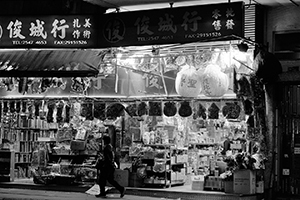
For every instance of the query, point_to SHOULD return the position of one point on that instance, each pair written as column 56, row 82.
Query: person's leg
column 111, row 180
column 102, row 182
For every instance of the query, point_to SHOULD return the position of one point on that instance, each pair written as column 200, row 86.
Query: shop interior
column 169, row 127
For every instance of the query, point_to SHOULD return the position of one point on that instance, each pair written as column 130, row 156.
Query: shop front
column 170, row 87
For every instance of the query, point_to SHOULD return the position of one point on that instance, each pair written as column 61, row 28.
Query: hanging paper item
column 35, row 86
column 185, row 109
column 23, row 86
column 142, row 109
column 114, row 110
column 5, row 107
column 200, row 112
column 24, row 106
column 30, row 110
column 187, row 82
column 46, row 84
column 76, row 109
column 80, row 85
column 51, row 106
column 146, row 137
column 169, row 78
column 170, row 109
column 155, row 108
column 42, row 110
column 99, row 110
column 10, row 83
column 131, row 109
column 231, row 110
column 215, row 82
column 36, row 105
column 60, row 108
column 12, row 106
column 87, row 110
column 213, row 111
column 18, row 106
column 67, row 112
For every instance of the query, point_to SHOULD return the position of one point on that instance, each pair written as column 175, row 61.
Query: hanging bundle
column 155, row 108
column 87, row 110
column 131, row 109
column 5, row 107
column 37, row 105
column 99, row 110
column 213, row 111
column 170, row 109
column 67, row 112
column 231, row 110
column 12, row 108
column 60, row 108
column 142, row 109
column 18, row 106
column 30, row 107
column 114, row 110
column 201, row 111
column 185, row 109
column 51, row 107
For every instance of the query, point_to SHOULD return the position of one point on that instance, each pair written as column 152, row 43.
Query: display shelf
column 169, row 163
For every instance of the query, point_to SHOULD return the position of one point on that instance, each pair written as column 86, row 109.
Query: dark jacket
column 109, row 156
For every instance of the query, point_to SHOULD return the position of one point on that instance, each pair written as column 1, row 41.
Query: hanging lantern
column 187, row 83
column 215, row 83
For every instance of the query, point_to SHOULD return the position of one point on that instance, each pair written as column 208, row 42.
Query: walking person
column 107, row 169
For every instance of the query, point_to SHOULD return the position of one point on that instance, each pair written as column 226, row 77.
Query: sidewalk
column 183, row 192
column 22, row 194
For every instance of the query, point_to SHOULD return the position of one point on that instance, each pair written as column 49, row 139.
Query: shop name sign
column 47, row 31
column 172, row 25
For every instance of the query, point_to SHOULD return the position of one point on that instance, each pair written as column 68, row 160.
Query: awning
column 49, row 63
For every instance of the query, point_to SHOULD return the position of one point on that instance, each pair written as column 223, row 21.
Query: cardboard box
column 197, row 182
column 244, row 182
column 122, row 177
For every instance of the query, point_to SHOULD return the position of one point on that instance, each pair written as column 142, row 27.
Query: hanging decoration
column 213, row 111
column 187, row 83
column 142, row 109
column 131, row 109
column 114, row 110
column 215, row 82
column 185, row 109
column 170, row 109
column 155, row 108
column 231, row 110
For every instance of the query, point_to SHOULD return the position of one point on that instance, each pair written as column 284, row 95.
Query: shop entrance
column 289, row 140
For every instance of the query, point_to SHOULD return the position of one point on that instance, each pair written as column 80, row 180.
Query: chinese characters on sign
column 173, row 25
column 51, row 31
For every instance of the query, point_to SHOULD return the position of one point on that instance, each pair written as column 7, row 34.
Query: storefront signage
column 172, row 25
column 47, row 31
